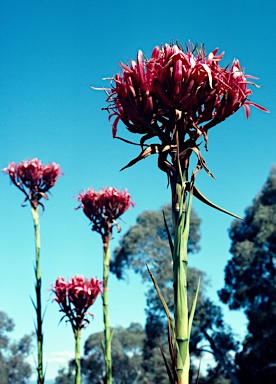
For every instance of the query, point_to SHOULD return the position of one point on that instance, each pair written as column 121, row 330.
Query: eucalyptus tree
column 250, row 284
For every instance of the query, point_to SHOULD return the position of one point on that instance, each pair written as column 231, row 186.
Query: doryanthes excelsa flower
column 33, row 178
column 75, row 297
column 175, row 85
column 103, row 208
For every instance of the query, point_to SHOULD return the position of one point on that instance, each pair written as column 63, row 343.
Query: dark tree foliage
column 126, row 355
column 14, row 368
column 250, row 283
column 215, row 376
column 147, row 242
column 66, row 376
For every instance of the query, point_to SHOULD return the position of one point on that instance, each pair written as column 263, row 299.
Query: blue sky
column 51, row 52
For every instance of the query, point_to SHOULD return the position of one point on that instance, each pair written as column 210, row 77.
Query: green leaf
column 171, row 379
column 161, row 297
column 191, row 317
column 198, row 372
column 102, row 345
column 150, row 150
column 187, row 224
column 171, row 331
column 111, row 334
column 34, row 305
column 204, row 200
column 168, row 233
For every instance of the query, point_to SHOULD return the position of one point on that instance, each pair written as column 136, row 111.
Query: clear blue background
column 51, row 51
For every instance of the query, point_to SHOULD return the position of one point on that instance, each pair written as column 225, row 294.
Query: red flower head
column 104, row 208
column 75, row 297
column 176, row 95
column 33, row 178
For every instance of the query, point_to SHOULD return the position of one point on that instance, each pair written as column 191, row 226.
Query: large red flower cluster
column 33, row 178
column 188, row 87
column 103, row 208
column 75, row 297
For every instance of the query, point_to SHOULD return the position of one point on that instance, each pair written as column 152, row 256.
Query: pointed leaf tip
column 204, row 200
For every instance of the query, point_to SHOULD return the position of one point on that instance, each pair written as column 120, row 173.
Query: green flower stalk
column 177, row 96
column 103, row 208
column 107, row 333
column 181, row 213
column 77, row 336
column 74, row 298
column 34, row 180
column 38, row 305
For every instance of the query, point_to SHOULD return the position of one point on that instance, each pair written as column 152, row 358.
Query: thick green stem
column 181, row 213
column 107, row 335
column 38, row 305
column 77, row 335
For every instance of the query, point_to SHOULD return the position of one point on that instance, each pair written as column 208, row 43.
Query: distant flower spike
column 75, row 297
column 33, row 178
column 103, row 208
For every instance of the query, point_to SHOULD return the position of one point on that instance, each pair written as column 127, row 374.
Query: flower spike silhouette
column 35, row 179
column 103, row 208
column 74, row 298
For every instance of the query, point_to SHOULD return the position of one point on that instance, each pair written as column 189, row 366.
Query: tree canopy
column 250, row 283
column 13, row 365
